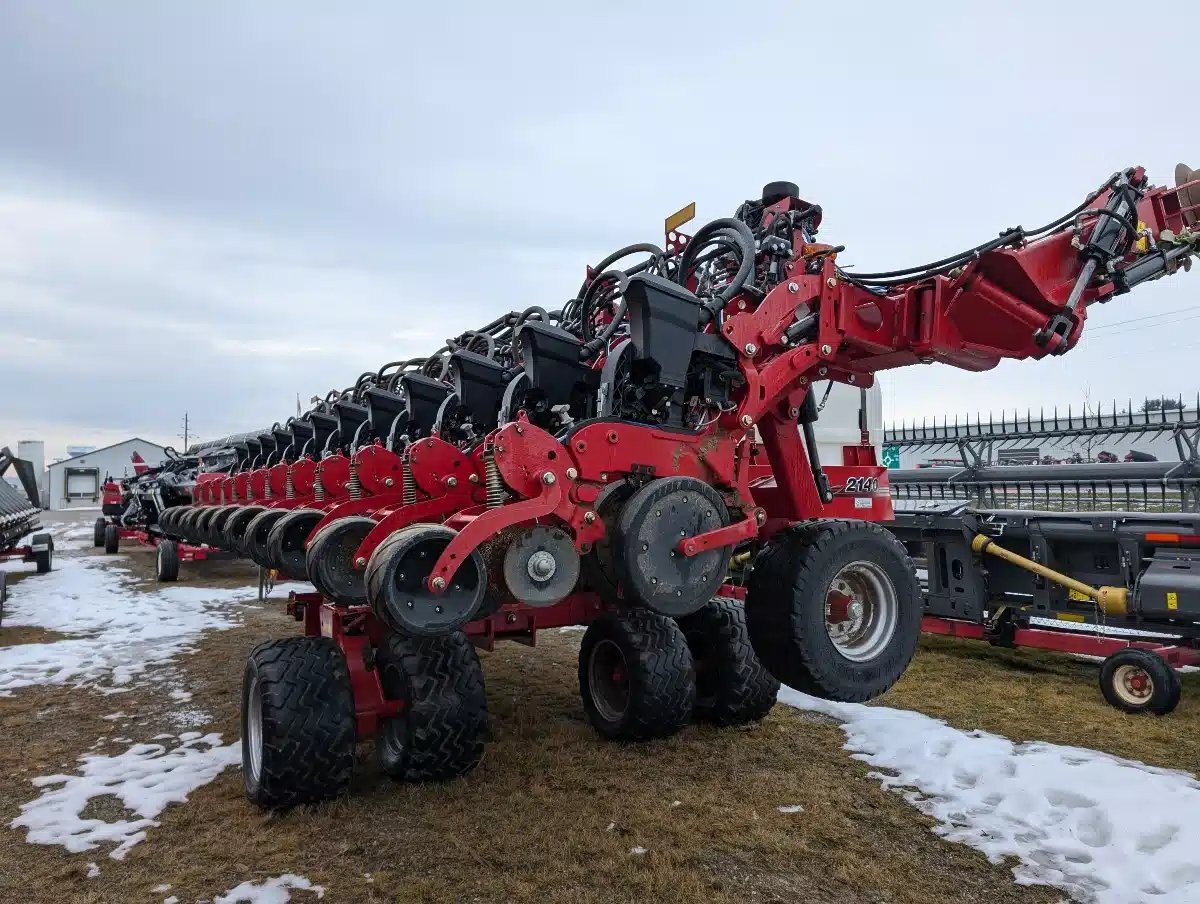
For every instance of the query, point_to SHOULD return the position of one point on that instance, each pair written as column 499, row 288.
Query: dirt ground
column 553, row 812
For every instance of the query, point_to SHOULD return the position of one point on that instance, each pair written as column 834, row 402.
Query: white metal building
column 75, row 482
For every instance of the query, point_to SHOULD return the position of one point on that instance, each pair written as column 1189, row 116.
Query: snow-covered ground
column 1103, row 829
column 269, row 891
column 115, row 633
column 146, row 778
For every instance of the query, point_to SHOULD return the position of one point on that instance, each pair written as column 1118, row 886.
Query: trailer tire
column 98, row 532
column 636, row 676
column 1138, row 681
column 795, row 580
column 112, row 539
column 297, row 723
column 732, row 686
column 441, row 733
column 166, row 561
column 44, row 560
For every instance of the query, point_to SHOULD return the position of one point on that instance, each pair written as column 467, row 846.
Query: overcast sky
column 213, row 207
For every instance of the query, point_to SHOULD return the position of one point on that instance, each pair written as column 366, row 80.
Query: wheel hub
column 542, row 565
column 1134, row 684
column 861, row 611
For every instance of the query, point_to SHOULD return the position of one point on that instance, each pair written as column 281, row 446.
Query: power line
column 1116, row 323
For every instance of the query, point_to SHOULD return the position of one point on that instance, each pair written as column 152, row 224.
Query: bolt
column 520, row 429
column 541, row 565
column 645, row 546
column 452, row 482
column 548, row 478
column 852, row 378
column 439, row 583
column 831, row 282
column 760, row 516
column 429, row 443
column 747, row 420
column 826, row 350
column 437, row 609
column 793, row 288
column 603, row 475
column 360, row 561
column 751, row 348
column 822, row 371
column 741, row 305
column 804, row 381
column 474, row 478
column 589, row 517
column 387, row 481
column 793, row 411
column 572, row 473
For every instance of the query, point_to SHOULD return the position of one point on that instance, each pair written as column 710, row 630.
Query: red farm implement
column 644, row 463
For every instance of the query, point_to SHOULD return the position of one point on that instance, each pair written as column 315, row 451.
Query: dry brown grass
column 533, row 822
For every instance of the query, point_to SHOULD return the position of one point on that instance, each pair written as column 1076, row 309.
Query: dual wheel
column 298, row 720
column 642, row 676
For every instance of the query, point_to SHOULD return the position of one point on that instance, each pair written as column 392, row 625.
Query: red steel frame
column 1173, row 653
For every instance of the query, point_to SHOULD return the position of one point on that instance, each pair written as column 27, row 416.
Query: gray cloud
column 216, row 207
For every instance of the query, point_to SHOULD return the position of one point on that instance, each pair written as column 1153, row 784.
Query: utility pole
column 186, row 433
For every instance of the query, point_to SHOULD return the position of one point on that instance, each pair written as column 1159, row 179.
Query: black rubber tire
column 166, row 561
column 254, row 540
column 307, row 722
column 442, row 732
column 391, row 588
column 235, row 527
column 650, row 525
column 785, row 608
column 660, row 692
column 98, row 532
column 286, row 541
column 216, row 527
column 1165, row 687
column 204, row 525
column 732, row 686
column 44, row 561
column 328, row 561
column 186, row 526
column 112, row 539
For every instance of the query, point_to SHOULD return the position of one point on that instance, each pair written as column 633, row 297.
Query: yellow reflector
column 679, row 217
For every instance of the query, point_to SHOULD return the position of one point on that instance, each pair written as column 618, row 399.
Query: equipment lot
column 553, row 813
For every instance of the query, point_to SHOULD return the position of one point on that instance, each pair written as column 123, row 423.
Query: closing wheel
column 285, row 542
column 297, row 723
column 329, row 561
column 441, row 733
column 598, row 566
column 254, row 539
column 166, row 561
column 541, row 565
column 235, row 527
column 98, row 532
column 397, row 589
column 189, row 524
column 112, row 539
column 650, row 526
column 216, row 527
column 636, row 676
column 834, row 609
column 732, row 686
column 1138, row 681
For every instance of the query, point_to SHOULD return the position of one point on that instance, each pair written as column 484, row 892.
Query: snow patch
column 637, row 851
column 1104, row 829
column 145, row 779
column 269, row 891
column 120, row 632
column 93, row 871
column 791, row 808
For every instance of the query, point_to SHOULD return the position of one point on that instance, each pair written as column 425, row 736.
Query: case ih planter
column 644, row 463
column 138, row 508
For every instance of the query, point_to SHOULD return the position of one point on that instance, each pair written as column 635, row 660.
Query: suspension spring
column 289, row 486
column 267, row 492
column 407, row 483
column 318, row 487
column 353, row 484
column 496, row 493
